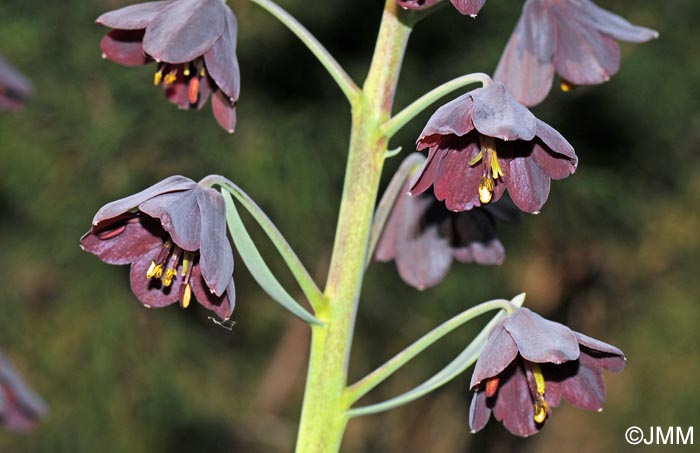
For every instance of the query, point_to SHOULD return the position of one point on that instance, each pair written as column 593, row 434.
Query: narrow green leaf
column 256, row 265
column 458, row 365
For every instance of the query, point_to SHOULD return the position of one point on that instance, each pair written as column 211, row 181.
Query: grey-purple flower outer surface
column 174, row 236
column 521, row 347
column 467, row 7
column 193, row 43
column 423, row 237
column 20, row 407
column 15, row 88
column 485, row 142
column 574, row 38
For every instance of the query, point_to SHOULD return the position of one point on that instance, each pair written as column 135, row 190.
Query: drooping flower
column 193, row 43
column 529, row 364
column 20, row 407
column 423, row 237
column 15, row 88
column 574, row 38
column 484, row 142
column 174, row 236
column 466, row 7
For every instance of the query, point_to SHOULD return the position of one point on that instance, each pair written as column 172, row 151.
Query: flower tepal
column 173, row 235
column 574, row 38
column 15, row 88
column 423, row 237
column 485, row 142
column 467, row 7
column 529, row 364
column 193, row 43
column 20, row 407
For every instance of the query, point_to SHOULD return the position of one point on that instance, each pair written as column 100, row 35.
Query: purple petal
column 216, row 256
column 497, row 114
column 178, row 213
column 526, row 64
column 221, row 60
column 499, row 352
column 115, row 208
column 479, row 413
column 22, row 406
column 455, row 118
column 514, row 406
column 150, row 291
column 221, row 305
column 456, row 181
column 124, row 47
column 586, row 388
column 423, row 257
column 468, row 7
column 528, row 185
column 584, row 56
column 557, row 157
column 609, row 357
column 425, row 177
column 540, row 340
column 13, row 81
column 184, row 30
column 491, row 253
column 124, row 239
column 416, row 5
column 611, row 24
column 475, row 239
column 224, row 111
column 133, row 17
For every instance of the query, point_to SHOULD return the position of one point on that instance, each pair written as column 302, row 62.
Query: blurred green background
column 613, row 254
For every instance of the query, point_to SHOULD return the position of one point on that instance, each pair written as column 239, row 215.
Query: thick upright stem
column 324, row 413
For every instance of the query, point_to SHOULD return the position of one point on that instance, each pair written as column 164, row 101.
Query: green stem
column 366, row 384
column 324, row 413
column 344, row 81
column 311, row 291
column 407, row 114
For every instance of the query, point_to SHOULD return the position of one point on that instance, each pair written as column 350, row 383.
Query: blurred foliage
column 614, row 253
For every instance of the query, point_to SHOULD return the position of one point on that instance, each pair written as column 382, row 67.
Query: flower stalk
column 324, row 413
column 344, row 81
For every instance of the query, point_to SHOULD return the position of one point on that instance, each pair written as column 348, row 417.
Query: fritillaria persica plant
column 437, row 208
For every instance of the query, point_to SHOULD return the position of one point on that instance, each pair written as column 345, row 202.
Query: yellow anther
column 186, row 70
column 485, row 190
column 186, row 296
column 169, row 276
column 154, row 270
column 202, row 72
column 565, row 86
column 475, row 159
column 157, row 77
column 185, row 265
column 496, row 169
column 541, row 409
column 171, row 77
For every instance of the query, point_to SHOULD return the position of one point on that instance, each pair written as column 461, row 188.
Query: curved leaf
column 256, row 265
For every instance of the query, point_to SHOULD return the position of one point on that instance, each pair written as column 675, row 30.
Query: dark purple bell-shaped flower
column 467, row 7
column 174, row 236
column 485, row 142
column 20, row 407
column 15, row 88
column 423, row 237
column 193, row 43
column 529, row 364
column 574, row 38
